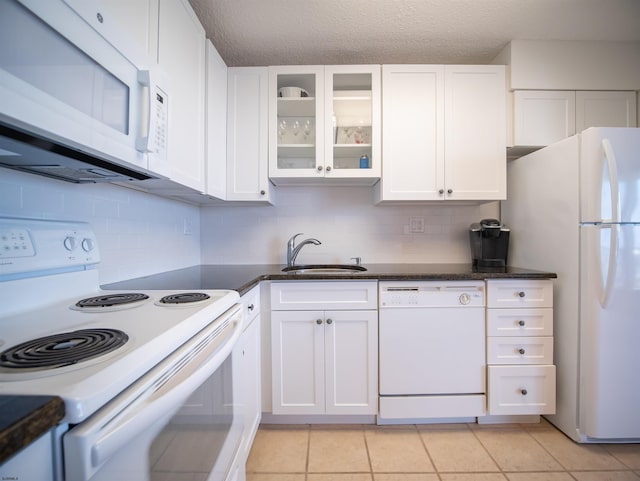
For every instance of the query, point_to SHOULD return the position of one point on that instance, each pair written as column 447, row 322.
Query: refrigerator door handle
column 611, row 268
column 612, row 167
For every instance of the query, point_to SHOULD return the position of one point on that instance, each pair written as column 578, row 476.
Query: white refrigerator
column 574, row 208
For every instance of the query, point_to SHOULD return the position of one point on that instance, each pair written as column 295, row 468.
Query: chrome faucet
column 293, row 250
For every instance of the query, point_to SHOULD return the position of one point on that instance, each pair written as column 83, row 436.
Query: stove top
column 146, row 334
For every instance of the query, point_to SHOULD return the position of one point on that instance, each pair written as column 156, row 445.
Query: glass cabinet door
column 352, row 121
column 296, row 122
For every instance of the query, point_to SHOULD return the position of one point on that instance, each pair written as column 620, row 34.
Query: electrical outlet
column 188, row 227
column 416, row 225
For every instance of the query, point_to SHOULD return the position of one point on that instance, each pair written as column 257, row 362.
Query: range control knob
column 464, row 299
column 87, row 244
column 70, row 243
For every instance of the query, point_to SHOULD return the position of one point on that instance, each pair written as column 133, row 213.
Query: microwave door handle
column 143, row 142
column 98, row 439
column 612, row 168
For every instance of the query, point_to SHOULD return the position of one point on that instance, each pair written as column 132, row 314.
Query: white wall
column 138, row 233
column 347, row 223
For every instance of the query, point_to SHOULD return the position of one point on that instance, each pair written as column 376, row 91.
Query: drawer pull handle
column 523, row 392
column 329, row 321
column 521, row 323
column 521, row 351
column 521, row 294
column 318, row 321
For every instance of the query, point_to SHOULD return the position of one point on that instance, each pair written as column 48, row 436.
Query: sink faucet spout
column 293, row 250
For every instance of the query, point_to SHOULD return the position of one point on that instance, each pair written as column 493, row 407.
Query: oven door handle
column 146, row 406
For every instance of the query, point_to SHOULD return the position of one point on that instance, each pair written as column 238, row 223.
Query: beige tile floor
column 442, row 452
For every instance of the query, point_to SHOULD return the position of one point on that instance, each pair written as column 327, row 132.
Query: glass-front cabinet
column 324, row 124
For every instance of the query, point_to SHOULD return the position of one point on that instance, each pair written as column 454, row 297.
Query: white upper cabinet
column 247, row 140
column 413, row 132
column 324, row 124
column 216, row 124
column 542, row 117
column 181, row 54
column 443, row 134
column 475, row 133
column 605, row 109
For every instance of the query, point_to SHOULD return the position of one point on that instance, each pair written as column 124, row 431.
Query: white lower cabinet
column 324, row 361
column 521, row 375
column 251, row 391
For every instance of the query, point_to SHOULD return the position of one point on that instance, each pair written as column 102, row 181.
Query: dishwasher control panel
column 432, row 294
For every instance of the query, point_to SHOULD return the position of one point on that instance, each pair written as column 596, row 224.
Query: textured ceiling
column 324, row 32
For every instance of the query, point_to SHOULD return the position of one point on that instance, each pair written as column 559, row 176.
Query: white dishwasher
column 431, row 351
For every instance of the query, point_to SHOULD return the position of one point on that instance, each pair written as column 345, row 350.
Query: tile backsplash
column 138, row 233
column 347, row 223
column 141, row 234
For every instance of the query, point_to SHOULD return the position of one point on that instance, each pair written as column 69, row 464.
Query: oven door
column 179, row 421
column 60, row 80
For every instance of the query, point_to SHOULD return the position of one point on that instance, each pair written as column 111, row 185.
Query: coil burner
column 184, row 298
column 64, row 349
column 110, row 302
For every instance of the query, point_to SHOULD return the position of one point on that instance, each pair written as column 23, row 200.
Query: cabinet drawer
column 520, row 350
column 336, row 295
column 519, row 293
column 522, row 390
column 250, row 305
column 520, row 322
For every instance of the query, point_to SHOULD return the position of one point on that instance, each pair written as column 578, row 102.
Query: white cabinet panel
column 520, row 350
column 605, row 109
column 351, row 362
column 475, row 133
column 542, row 117
column 297, row 343
column 247, row 134
column 216, row 123
column 519, row 293
column 181, row 54
column 520, row 322
column 518, row 390
column 324, row 361
column 444, row 133
column 413, row 132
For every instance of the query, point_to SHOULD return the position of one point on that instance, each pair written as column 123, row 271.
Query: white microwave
column 73, row 106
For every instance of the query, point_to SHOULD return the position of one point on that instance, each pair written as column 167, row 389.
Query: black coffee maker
column 489, row 241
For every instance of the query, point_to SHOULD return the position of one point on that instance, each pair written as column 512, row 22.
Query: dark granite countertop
column 241, row 277
column 23, row 419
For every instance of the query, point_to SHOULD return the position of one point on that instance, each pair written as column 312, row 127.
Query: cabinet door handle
column 319, row 168
column 262, row 192
column 329, row 321
column 318, row 321
column 521, row 294
column 250, row 307
column 449, row 191
column 441, row 191
column 521, row 323
column 523, row 392
column 328, row 169
column 521, row 351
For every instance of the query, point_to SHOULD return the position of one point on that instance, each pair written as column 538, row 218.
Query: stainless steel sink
column 324, row 269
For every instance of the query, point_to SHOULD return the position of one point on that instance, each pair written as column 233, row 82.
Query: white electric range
column 60, row 334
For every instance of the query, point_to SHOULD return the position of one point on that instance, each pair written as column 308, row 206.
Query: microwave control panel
column 160, row 115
